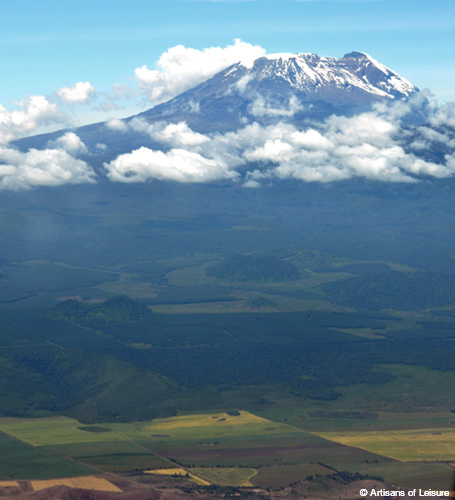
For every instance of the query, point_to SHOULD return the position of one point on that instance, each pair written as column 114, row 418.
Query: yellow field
column 9, row 484
column 409, row 445
column 188, row 421
column 168, row 472
column 87, row 482
column 179, row 472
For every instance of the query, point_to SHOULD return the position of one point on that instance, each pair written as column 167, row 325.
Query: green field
column 437, row 476
column 315, row 419
column 53, row 431
column 279, row 475
column 19, row 460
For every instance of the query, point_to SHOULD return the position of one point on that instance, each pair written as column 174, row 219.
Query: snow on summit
column 311, row 73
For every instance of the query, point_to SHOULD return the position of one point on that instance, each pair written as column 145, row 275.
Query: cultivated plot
column 88, row 482
column 405, row 445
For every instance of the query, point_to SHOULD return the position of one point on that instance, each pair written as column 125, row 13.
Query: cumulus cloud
column 181, row 68
column 34, row 112
column 79, row 93
column 49, row 167
column 175, row 134
column 69, row 142
column 177, row 164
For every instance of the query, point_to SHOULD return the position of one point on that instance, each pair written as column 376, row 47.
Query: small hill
column 119, row 308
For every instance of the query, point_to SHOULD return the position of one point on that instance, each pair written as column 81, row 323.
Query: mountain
column 299, row 88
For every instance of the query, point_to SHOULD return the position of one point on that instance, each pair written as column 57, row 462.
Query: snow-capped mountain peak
column 310, row 73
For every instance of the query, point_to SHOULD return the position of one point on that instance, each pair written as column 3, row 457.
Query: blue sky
column 49, row 44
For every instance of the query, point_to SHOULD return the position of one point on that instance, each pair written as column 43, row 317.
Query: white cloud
column 117, row 125
column 69, row 142
column 177, row 164
column 49, row 167
column 181, row 68
column 242, row 83
column 360, row 146
column 261, row 107
column 79, row 93
column 194, row 107
column 36, row 111
column 444, row 116
column 175, row 134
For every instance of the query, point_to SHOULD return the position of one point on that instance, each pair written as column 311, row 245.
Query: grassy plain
column 414, row 389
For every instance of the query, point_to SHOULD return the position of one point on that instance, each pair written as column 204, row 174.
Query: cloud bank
column 370, row 145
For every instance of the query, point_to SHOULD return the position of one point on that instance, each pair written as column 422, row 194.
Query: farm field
column 227, row 476
column 408, row 445
column 114, row 456
column 200, row 426
column 180, row 472
column 87, row 482
column 279, row 475
column 9, row 484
